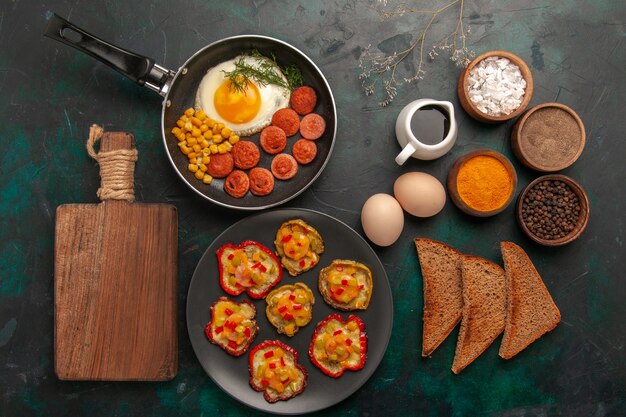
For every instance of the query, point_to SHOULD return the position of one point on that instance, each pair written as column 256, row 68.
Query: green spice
column 264, row 73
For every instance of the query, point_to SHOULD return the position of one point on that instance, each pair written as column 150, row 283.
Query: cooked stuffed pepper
column 338, row 345
column 274, row 369
column 299, row 246
column 233, row 326
column 290, row 307
column 346, row 285
column 249, row 267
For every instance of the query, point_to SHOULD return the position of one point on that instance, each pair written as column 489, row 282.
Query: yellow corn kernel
column 207, row 179
column 192, row 167
column 197, row 148
column 199, row 173
column 203, row 167
column 185, row 149
column 188, row 126
column 191, row 154
column 182, row 143
column 229, row 147
column 176, row 130
column 189, row 112
column 192, row 141
column 200, row 114
column 196, row 122
column 196, row 132
column 203, row 128
column 213, row 148
column 217, row 138
column 210, row 123
column 233, row 139
column 180, row 123
column 206, row 160
column 222, row 148
column 204, row 143
column 208, row 134
column 184, row 118
column 181, row 136
column 216, row 128
column 226, row 132
column 206, row 151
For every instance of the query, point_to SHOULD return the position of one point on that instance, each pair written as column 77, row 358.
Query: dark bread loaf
column 443, row 294
column 484, row 309
column 531, row 311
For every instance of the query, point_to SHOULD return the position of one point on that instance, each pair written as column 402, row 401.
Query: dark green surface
column 51, row 94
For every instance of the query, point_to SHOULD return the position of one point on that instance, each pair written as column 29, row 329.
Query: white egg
column 382, row 219
column 420, row 193
column 247, row 112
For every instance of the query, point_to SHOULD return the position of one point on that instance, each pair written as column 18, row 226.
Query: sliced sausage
column 284, row 166
column 303, row 100
column 273, row 140
column 312, row 126
column 245, row 154
column 261, row 181
column 220, row 165
column 237, row 184
column 287, row 120
column 304, row 151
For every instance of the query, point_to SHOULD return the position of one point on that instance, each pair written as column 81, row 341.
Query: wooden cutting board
column 115, row 288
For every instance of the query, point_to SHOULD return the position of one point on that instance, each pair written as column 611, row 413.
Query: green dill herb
column 264, row 73
column 293, row 75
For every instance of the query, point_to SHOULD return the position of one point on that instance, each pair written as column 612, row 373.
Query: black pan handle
column 138, row 68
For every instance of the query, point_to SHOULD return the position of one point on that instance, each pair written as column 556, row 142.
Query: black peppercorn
column 550, row 210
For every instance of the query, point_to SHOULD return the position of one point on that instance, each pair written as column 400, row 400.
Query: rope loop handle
column 117, row 169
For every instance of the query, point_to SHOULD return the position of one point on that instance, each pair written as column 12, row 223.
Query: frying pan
column 178, row 89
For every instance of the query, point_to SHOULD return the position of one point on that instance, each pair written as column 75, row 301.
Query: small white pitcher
column 411, row 145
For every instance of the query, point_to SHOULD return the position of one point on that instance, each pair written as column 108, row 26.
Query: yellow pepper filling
column 344, row 284
column 232, row 324
column 294, row 307
column 276, row 371
column 296, row 243
column 339, row 343
column 247, row 268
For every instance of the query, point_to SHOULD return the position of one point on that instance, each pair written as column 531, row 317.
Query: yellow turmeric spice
column 483, row 183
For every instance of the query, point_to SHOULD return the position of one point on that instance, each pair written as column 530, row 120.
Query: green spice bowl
column 583, row 215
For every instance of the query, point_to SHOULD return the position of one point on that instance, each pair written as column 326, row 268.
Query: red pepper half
column 328, row 366
column 263, row 385
column 211, row 331
column 253, row 291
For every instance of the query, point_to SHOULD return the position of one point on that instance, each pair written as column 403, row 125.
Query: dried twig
column 377, row 67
